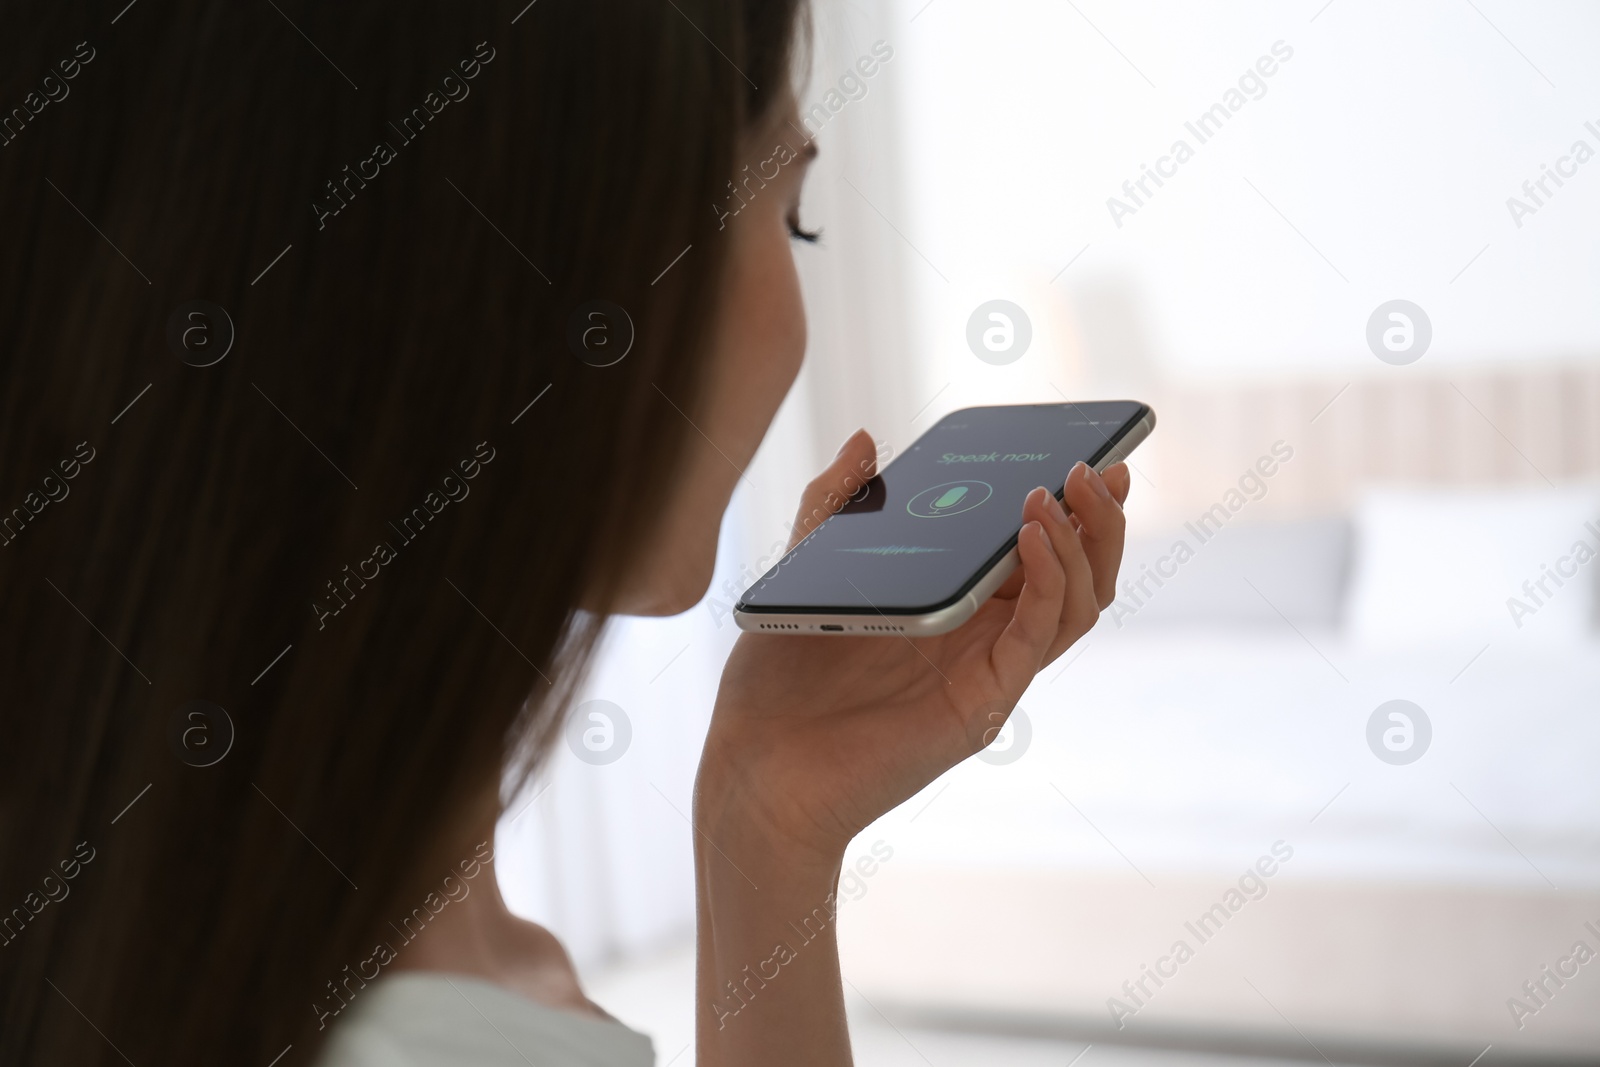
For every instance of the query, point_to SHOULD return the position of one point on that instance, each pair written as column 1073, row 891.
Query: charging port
column 831, row 627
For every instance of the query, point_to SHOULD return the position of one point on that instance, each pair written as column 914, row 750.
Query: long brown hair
column 304, row 478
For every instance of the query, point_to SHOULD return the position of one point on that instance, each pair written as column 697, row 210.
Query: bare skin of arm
column 814, row 738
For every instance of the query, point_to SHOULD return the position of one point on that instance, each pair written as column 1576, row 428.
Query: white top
column 418, row 1019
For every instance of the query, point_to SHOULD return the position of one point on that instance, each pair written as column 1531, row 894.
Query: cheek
column 764, row 339
column 759, row 346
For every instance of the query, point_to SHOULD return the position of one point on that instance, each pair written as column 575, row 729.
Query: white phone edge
column 934, row 622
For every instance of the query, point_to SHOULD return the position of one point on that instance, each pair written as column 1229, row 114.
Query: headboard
column 1490, row 424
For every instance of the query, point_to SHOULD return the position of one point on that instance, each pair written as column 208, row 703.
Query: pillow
column 1445, row 564
column 1299, row 566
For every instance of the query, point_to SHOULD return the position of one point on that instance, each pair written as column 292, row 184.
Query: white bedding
column 1193, row 750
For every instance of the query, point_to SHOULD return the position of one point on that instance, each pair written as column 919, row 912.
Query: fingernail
column 1057, row 510
column 847, row 441
column 1099, row 484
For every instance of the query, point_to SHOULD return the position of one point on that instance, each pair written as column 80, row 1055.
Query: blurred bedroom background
column 1395, row 509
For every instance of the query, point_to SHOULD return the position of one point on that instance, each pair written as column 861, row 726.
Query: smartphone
column 934, row 534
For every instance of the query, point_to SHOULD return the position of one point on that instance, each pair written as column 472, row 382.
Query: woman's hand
column 815, row 737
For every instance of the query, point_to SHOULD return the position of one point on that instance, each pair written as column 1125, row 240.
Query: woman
column 360, row 363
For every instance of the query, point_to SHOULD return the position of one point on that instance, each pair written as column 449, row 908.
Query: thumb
column 855, row 464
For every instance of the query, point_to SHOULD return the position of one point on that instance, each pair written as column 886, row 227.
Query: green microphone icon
column 949, row 498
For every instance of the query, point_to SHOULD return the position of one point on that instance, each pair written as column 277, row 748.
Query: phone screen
column 922, row 533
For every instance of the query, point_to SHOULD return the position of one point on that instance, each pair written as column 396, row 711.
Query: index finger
column 1118, row 480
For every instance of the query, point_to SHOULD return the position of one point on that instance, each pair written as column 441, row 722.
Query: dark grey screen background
column 919, row 534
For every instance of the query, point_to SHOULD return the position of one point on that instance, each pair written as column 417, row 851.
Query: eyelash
column 799, row 234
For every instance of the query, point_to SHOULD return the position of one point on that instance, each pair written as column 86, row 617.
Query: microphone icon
column 950, row 498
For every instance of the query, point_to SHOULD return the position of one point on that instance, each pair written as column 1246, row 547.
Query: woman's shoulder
column 431, row 1018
